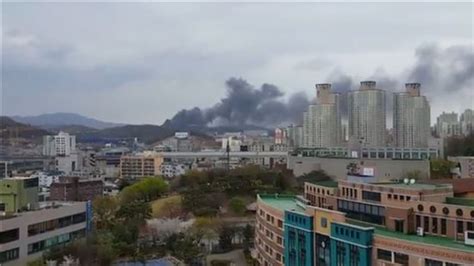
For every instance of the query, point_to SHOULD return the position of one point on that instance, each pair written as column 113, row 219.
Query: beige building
column 140, row 165
column 411, row 118
column 367, row 121
column 447, row 125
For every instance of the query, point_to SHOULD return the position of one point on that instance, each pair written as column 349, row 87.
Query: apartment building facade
column 352, row 223
column 140, row 165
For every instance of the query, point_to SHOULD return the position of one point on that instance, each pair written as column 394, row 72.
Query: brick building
column 76, row 189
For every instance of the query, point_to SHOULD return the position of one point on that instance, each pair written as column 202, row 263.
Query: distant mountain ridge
column 55, row 120
column 12, row 129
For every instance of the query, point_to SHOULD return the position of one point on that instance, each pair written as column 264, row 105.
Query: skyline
column 88, row 66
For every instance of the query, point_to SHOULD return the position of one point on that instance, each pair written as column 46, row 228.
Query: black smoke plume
column 246, row 105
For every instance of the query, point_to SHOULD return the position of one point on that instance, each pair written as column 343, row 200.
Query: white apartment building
column 61, row 144
column 367, row 121
column 411, row 118
column 467, row 122
column 447, row 125
column 322, row 121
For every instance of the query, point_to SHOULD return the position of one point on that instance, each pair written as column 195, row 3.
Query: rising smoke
column 245, row 104
column 440, row 71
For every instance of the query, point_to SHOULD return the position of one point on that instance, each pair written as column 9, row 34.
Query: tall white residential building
column 322, row 121
column 61, row 144
column 367, row 121
column 411, row 118
column 467, row 122
column 447, row 125
column 295, row 136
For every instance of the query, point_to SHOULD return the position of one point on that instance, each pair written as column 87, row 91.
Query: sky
column 143, row 62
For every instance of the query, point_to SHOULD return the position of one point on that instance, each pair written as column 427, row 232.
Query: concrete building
column 26, row 235
column 140, row 165
column 295, row 136
column 322, row 121
column 447, row 125
column 367, row 121
column 464, row 165
column 70, row 188
column 181, row 142
column 411, row 118
column 45, row 179
column 467, row 122
column 353, row 223
column 378, row 169
column 61, row 144
column 170, row 170
column 18, row 193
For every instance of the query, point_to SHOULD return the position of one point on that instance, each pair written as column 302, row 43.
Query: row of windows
column 349, row 192
column 54, row 224
column 318, row 190
column 9, row 236
column 430, row 262
column 296, row 219
column 54, row 241
column 441, row 226
column 387, row 255
column 372, row 196
column 398, row 197
column 361, row 207
column 8, row 255
column 347, row 232
column 271, row 219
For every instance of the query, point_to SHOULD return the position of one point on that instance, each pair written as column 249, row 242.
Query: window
column 460, row 227
column 432, row 209
column 418, row 221
column 459, row 212
column 420, row 208
column 324, row 222
column 279, row 240
column 372, row 196
column 389, row 196
column 401, row 259
column 399, row 226
column 395, row 197
column 8, row 255
column 430, row 262
column 408, row 198
column 354, row 255
column 278, row 256
column 383, row 254
column 434, row 225
column 470, row 226
column 280, row 224
column 445, row 211
column 426, row 224
column 443, row 226
column 402, row 197
column 54, row 224
column 9, row 236
column 341, row 253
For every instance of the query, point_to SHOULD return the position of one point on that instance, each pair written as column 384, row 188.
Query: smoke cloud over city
column 247, row 104
column 440, row 71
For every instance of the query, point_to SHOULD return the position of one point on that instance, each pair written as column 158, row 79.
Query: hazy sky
column 141, row 63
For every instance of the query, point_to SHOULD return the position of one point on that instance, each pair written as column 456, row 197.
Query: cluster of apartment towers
column 322, row 125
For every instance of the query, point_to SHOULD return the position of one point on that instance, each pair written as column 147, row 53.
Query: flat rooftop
column 325, row 183
column 282, row 202
column 416, row 186
column 427, row 239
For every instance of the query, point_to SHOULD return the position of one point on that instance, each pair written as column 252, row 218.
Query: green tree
column 237, row 205
column 105, row 209
column 248, row 233
column 441, row 168
column 148, row 189
column 226, row 235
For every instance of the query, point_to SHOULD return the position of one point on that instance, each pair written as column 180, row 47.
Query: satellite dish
column 406, row 181
column 412, row 181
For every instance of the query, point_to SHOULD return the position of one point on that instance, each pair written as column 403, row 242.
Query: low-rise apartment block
column 354, row 223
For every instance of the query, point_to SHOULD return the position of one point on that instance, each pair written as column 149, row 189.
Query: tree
column 237, row 205
column 248, row 234
column 441, row 168
column 105, row 209
column 184, row 246
column 225, row 237
column 135, row 211
column 148, row 189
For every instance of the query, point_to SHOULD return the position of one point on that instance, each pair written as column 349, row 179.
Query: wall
column 385, row 170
